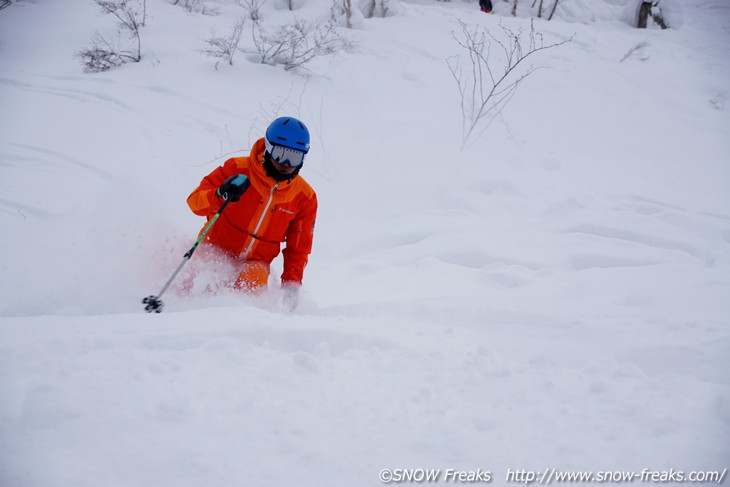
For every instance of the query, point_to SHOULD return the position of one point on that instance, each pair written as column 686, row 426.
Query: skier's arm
column 203, row 200
column 299, row 237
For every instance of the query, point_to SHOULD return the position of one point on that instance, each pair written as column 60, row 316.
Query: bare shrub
column 130, row 15
column 197, row 6
column 225, row 48
column 486, row 85
column 102, row 55
column 293, row 45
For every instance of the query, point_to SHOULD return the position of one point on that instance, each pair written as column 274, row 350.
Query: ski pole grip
column 233, row 188
column 242, row 181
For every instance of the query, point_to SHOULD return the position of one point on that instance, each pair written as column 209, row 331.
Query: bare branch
column 484, row 91
column 637, row 50
column 253, row 7
column 225, row 47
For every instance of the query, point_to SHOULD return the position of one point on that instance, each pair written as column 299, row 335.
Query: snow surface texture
column 554, row 295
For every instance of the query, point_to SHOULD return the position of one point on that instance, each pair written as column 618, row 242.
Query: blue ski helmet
column 288, row 132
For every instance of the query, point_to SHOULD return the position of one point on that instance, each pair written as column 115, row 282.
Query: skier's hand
column 233, row 188
column 291, row 297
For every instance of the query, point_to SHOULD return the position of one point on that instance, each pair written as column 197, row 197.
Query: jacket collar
column 256, row 158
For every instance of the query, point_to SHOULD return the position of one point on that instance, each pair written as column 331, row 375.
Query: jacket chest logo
column 283, row 210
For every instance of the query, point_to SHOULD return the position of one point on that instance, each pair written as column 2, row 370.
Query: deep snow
column 555, row 295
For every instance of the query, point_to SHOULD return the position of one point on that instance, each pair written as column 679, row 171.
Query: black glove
column 233, row 188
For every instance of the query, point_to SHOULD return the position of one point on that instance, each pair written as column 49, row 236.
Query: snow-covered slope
column 555, row 295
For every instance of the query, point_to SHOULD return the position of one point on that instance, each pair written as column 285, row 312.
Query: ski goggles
column 284, row 155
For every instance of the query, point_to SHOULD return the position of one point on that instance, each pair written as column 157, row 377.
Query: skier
column 279, row 206
column 486, row 6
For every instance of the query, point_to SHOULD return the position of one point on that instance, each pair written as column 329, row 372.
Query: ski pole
column 153, row 303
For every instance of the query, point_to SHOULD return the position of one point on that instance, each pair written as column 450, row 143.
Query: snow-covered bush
column 197, row 6
column 295, row 44
column 101, row 54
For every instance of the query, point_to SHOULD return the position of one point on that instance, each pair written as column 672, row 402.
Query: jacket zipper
column 245, row 253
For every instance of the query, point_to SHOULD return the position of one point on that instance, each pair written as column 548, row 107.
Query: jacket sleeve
column 299, row 237
column 203, row 200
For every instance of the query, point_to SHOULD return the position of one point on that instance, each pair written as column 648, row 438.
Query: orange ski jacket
column 269, row 212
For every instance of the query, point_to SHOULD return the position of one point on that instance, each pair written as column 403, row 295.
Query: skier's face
column 285, row 169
